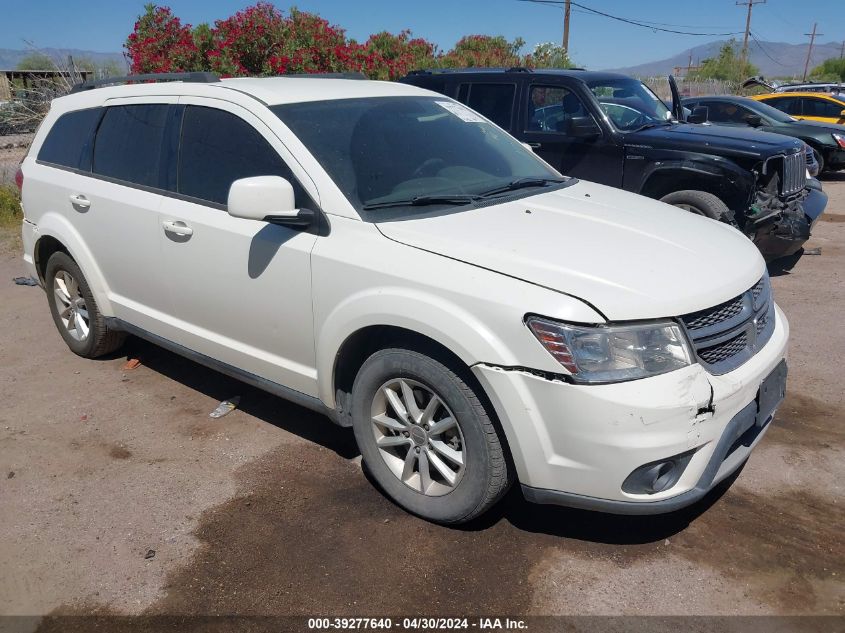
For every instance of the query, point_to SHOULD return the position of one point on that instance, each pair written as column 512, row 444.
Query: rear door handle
column 79, row 201
column 177, row 228
column 535, row 145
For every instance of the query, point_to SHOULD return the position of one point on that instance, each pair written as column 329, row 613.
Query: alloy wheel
column 71, row 306
column 418, row 437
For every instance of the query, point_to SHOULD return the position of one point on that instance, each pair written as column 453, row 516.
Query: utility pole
column 566, row 11
column 842, row 51
column 812, row 37
column 750, row 4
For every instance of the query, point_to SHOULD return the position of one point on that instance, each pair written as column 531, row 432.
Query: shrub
column 10, row 206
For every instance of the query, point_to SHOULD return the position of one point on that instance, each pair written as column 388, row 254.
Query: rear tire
column 75, row 311
column 700, row 203
column 442, row 460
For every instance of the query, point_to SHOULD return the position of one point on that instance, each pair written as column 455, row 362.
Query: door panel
column 547, row 128
column 241, row 289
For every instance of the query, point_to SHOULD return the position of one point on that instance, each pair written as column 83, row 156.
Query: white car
column 389, row 257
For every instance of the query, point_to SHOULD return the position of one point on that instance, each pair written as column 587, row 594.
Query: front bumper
column 575, row 445
column 786, row 236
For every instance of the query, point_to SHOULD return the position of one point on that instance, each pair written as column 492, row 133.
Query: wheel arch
column 55, row 233
column 731, row 186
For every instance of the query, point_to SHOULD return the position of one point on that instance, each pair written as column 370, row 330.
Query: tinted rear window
column 495, row 101
column 129, row 144
column 219, row 148
column 68, row 142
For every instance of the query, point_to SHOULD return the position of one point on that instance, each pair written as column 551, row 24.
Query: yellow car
column 812, row 106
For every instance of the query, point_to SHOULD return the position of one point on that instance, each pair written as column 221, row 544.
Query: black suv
column 612, row 129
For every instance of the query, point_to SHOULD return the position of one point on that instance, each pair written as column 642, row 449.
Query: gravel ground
column 266, row 511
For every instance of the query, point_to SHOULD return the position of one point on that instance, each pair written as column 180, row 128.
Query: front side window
column 130, row 144
column 726, row 112
column 495, row 101
column 219, row 148
column 822, row 108
column 629, row 104
column 387, row 150
column 553, row 109
column 68, row 142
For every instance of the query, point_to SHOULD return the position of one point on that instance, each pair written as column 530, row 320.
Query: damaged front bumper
column 587, row 445
column 780, row 228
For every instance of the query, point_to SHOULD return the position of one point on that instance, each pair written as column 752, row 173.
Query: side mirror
column 699, row 115
column 754, row 120
column 268, row 199
column 584, row 127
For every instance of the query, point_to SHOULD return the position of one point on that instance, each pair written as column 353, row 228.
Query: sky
column 595, row 42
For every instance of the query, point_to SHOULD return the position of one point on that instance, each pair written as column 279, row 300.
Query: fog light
column 657, row 476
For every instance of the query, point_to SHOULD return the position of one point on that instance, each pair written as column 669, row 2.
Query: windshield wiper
column 651, row 124
column 419, row 201
column 522, row 183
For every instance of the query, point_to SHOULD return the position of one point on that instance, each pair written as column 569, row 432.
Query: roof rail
column 192, row 77
column 349, row 75
column 518, row 69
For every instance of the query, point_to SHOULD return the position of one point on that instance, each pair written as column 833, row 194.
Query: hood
column 818, row 126
column 714, row 139
column 628, row 256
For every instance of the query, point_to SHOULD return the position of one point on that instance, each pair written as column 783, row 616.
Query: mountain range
column 774, row 59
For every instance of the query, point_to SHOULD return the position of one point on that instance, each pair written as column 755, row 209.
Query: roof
column 268, row 90
column 277, row 90
column 797, row 93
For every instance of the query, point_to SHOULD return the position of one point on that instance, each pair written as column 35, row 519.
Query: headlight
column 839, row 138
column 613, row 353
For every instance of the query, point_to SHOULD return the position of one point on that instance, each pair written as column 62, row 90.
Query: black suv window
column 726, row 112
column 219, row 148
column 552, row 108
column 495, row 101
column 69, row 141
column 130, row 144
column 822, row 108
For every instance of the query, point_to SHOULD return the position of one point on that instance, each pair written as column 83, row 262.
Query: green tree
column 549, row 55
column 727, row 65
column 832, row 69
column 36, row 61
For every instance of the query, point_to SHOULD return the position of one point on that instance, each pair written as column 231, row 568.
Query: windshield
column 405, row 151
column 629, row 104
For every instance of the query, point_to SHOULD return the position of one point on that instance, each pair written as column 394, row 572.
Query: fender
column 57, row 226
column 454, row 327
column 735, row 183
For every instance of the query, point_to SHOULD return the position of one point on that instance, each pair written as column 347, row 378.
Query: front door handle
column 79, row 201
column 177, row 228
column 535, row 145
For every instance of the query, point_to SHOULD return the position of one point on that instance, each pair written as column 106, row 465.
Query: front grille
column 706, row 318
column 794, row 174
column 723, row 351
column 727, row 335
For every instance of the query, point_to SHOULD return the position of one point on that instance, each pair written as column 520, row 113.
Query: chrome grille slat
column 727, row 335
column 794, row 174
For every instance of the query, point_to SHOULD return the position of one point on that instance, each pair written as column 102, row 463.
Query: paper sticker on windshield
column 463, row 113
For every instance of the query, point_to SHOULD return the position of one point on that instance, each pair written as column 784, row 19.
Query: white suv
column 389, row 257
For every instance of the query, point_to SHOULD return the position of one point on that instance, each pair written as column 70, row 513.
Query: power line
column 649, row 23
column 631, row 22
column 763, row 49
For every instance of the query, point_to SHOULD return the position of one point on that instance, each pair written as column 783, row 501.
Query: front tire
column 426, row 438
column 819, row 160
column 75, row 311
column 700, row 203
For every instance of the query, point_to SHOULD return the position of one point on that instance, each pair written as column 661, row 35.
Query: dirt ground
column 120, row 495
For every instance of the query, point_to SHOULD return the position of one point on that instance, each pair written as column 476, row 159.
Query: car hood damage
column 628, row 256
